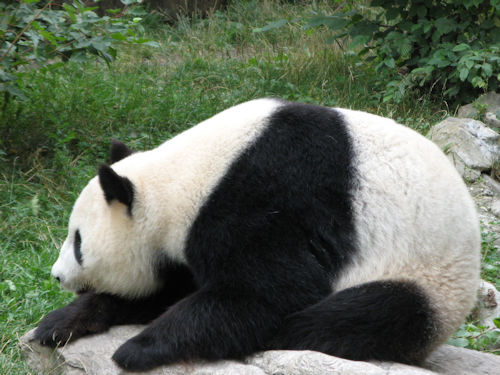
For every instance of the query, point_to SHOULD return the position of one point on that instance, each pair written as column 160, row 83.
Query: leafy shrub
column 35, row 34
column 447, row 45
column 476, row 337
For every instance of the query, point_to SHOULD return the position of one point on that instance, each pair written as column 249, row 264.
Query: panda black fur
column 272, row 225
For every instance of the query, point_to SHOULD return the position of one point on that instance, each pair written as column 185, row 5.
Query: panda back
column 176, row 178
column 414, row 217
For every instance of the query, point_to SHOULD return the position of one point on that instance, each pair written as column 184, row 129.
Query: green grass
column 34, row 209
column 52, row 143
column 471, row 334
column 202, row 67
column 490, row 259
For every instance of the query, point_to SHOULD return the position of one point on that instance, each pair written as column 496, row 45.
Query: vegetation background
column 57, row 119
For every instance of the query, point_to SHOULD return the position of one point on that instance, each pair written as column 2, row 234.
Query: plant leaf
column 496, row 321
column 271, row 25
column 461, row 47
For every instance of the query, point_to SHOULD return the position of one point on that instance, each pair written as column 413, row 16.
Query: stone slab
column 92, row 356
column 469, row 144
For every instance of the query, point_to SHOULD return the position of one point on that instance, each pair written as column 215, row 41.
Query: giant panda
column 272, row 225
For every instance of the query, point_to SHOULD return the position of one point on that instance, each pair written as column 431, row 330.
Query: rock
column 471, row 146
column 488, row 305
column 492, row 119
column 495, row 207
column 493, row 184
column 491, row 104
column 92, row 356
column 450, row 360
column 312, row 363
column 485, row 191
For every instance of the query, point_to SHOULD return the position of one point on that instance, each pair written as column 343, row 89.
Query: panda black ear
column 118, row 151
column 116, row 186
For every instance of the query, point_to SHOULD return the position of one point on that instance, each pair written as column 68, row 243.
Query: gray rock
column 315, row 363
column 495, row 207
column 493, row 184
column 491, row 102
column 485, row 191
column 471, row 146
column 488, row 305
column 449, row 360
column 492, row 119
column 92, row 356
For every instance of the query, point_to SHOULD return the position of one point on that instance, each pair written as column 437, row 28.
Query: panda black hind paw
column 135, row 356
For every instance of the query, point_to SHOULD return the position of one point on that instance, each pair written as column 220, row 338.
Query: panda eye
column 77, row 247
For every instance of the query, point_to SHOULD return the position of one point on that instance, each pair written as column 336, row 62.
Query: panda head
column 107, row 249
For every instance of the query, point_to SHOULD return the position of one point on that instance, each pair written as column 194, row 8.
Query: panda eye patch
column 77, row 247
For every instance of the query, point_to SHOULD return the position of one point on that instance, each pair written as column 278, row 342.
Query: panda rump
column 273, row 225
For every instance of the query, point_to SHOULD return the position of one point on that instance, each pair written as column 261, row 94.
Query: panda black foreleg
column 89, row 313
column 211, row 324
column 93, row 312
column 381, row 320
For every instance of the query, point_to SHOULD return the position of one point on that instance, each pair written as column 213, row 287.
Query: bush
column 34, row 35
column 474, row 336
column 451, row 47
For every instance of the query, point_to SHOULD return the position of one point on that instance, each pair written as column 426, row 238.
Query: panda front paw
column 140, row 353
column 79, row 318
column 57, row 329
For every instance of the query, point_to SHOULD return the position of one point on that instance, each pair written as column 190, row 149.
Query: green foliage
column 481, row 110
column 450, row 45
column 208, row 64
column 474, row 336
column 33, row 212
column 490, row 261
column 36, row 34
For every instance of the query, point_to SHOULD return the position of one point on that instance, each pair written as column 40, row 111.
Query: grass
column 471, row 334
column 207, row 65
column 51, row 144
column 490, row 259
column 33, row 213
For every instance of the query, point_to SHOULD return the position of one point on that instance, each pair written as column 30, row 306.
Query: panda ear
column 118, row 151
column 116, row 186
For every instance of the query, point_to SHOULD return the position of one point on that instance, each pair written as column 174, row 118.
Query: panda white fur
column 272, row 225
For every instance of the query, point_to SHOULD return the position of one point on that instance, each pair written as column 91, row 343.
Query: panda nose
column 58, row 279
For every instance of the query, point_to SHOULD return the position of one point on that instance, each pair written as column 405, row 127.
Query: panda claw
column 52, row 337
column 52, row 332
column 60, row 327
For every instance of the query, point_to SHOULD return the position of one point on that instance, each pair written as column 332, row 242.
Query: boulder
column 493, row 184
column 495, row 207
column 488, row 305
column 492, row 119
column 92, row 356
column 450, row 360
column 491, row 104
column 470, row 145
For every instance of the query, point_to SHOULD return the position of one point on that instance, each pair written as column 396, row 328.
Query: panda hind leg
column 381, row 320
column 213, row 323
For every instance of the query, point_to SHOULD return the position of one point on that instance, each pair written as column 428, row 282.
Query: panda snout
column 57, row 276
